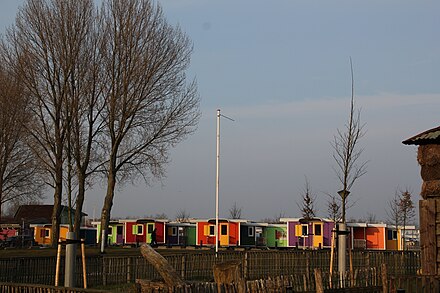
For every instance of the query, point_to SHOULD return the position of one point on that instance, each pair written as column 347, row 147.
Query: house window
column 173, row 231
column 224, row 230
column 318, row 229
column 305, row 230
column 250, row 231
column 109, row 231
column 140, row 229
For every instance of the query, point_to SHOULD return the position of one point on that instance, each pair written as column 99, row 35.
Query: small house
column 368, row 236
column 311, row 233
column 228, row 232
column 139, row 230
column 275, row 235
column 180, row 234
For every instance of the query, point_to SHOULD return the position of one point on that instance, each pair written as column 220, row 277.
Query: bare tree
column 407, row 210
column 235, row 211
column 19, row 173
column 371, row 218
column 334, row 208
column 393, row 211
column 349, row 168
column 85, row 106
column 307, row 205
column 161, row 216
column 347, row 153
column 182, row 216
column 149, row 106
column 47, row 39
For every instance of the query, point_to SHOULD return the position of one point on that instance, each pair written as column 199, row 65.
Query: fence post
column 318, row 281
column 183, row 270
column 245, row 266
column 104, row 272
column 128, row 269
column 384, row 278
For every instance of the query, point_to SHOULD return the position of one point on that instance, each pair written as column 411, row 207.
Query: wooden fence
column 32, row 288
column 361, row 281
column 107, row 270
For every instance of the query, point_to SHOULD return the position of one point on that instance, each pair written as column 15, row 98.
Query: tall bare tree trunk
column 79, row 205
column 108, row 203
column 56, row 213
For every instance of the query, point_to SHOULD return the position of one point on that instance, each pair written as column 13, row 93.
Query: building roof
column 431, row 136
column 36, row 214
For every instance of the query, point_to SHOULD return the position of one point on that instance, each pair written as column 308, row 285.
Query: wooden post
column 104, row 272
column 428, row 245
column 384, row 278
column 168, row 273
column 228, row 272
column 318, row 281
column 129, row 270
column 350, row 255
column 83, row 257
column 183, row 265
column 245, row 266
column 57, row 268
column 332, row 252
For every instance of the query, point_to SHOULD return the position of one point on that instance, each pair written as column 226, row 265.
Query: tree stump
column 228, row 272
column 168, row 273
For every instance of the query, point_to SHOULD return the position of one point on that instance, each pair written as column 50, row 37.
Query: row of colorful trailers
column 292, row 232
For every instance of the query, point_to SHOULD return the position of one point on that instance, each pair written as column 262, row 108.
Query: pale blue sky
column 281, row 70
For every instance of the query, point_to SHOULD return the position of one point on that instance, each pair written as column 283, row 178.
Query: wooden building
column 428, row 157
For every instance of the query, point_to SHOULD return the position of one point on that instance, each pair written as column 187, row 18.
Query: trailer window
column 140, row 229
column 305, row 230
column 173, row 231
column 250, row 231
column 211, row 230
column 392, row 234
column 224, row 230
column 318, row 229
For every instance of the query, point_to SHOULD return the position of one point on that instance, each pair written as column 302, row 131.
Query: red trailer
column 139, row 231
column 228, row 232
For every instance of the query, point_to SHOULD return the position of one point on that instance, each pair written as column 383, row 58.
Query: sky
column 281, row 70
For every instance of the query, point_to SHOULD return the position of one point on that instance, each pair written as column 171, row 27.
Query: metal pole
column 342, row 248
column 69, row 273
column 217, row 181
column 102, row 240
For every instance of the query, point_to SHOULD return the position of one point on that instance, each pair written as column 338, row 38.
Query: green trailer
column 275, row 235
